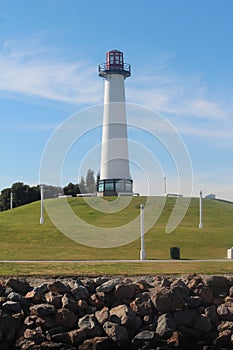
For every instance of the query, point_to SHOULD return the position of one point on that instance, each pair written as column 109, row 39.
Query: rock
column 116, row 332
column 46, row 322
column 205, row 293
column 211, row 312
column 80, row 292
column 38, row 293
column 61, row 338
column 98, row 343
column 203, row 324
column 165, row 326
column 66, row 318
column 52, row 331
column 186, row 317
column 224, row 340
column 103, row 315
column 68, row 302
column 77, row 336
column 34, row 334
column 161, row 299
column 146, row 337
column 18, row 285
column 231, row 292
column 12, row 307
column 142, row 305
column 225, row 325
column 58, row 287
column 219, row 284
column 193, row 302
column 1, row 290
column 31, row 321
column 42, row 310
column 96, row 301
column 89, row 323
column 108, row 286
column 7, row 323
column 122, row 315
column 124, row 291
column 225, row 311
column 54, row 299
column 178, row 341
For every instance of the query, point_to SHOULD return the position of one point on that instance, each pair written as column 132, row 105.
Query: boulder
column 18, row 285
column 103, row 315
column 125, row 292
column 122, row 315
column 186, row 317
column 98, row 343
column 108, row 286
column 66, row 318
column 166, row 325
column 12, row 307
column 58, row 287
column 54, row 299
column 42, row 309
column 116, row 332
column 203, row 324
column 142, row 305
column 225, row 311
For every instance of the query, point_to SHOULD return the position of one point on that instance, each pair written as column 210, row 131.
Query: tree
column 71, row 189
column 90, row 181
column 82, row 185
column 5, row 199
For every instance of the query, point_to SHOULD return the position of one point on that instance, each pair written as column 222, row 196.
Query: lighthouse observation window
column 128, row 186
column 101, row 186
column 120, row 186
column 109, row 185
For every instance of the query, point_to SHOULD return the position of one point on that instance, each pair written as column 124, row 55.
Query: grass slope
column 22, row 237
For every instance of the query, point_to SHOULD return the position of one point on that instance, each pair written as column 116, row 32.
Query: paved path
column 117, row 261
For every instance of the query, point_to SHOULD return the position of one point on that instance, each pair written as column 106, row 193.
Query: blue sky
column 181, row 53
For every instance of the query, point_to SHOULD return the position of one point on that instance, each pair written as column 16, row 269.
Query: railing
column 106, row 68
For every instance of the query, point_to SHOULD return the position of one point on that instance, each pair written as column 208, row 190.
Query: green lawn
column 22, row 237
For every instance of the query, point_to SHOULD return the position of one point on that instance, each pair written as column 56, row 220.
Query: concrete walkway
column 118, row 261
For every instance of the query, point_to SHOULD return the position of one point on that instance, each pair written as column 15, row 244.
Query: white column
column 41, row 204
column 11, row 200
column 142, row 251
column 114, row 153
column 200, row 211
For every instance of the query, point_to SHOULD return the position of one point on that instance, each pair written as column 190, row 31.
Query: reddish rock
column 178, row 341
column 42, row 310
column 103, row 315
column 205, row 292
column 124, row 291
column 225, row 311
column 224, row 339
column 98, row 343
column 122, row 315
column 34, row 334
column 96, row 301
column 66, row 318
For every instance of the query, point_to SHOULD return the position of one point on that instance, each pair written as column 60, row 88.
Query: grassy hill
column 22, row 237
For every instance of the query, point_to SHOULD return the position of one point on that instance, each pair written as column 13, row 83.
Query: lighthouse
column 114, row 176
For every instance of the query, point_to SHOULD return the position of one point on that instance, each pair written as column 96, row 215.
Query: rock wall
column 190, row 312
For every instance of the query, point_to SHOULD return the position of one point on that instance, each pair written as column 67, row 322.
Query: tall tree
column 82, row 185
column 90, row 181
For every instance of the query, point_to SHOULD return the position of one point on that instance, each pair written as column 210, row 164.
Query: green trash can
column 175, row 253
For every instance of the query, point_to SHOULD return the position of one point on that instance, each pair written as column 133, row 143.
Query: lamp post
column 11, row 200
column 200, row 211
column 142, row 251
column 41, row 204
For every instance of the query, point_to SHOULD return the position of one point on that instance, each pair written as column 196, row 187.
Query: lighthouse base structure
column 114, row 187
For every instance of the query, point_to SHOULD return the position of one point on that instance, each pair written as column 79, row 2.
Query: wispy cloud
column 33, row 72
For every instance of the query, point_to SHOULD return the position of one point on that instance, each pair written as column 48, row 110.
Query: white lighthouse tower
column 114, row 168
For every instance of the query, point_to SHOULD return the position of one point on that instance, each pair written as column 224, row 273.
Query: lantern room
column 114, row 64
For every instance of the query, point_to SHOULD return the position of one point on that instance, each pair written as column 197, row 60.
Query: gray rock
column 165, row 326
column 116, row 332
column 58, row 287
column 69, row 302
column 122, row 315
column 80, row 292
column 148, row 337
column 108, row 286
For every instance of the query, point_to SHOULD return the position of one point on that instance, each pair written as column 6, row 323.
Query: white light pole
column 200, row 211
column 11, row 200
column 41, row 204
column 142, row 251
column 165, row 184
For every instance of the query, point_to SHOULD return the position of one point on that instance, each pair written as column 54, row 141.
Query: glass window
column 120, row 186
column 101, row 186
column 128, row 186
column 109, row 185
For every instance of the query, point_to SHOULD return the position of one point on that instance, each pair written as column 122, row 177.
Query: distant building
column 211, row 196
